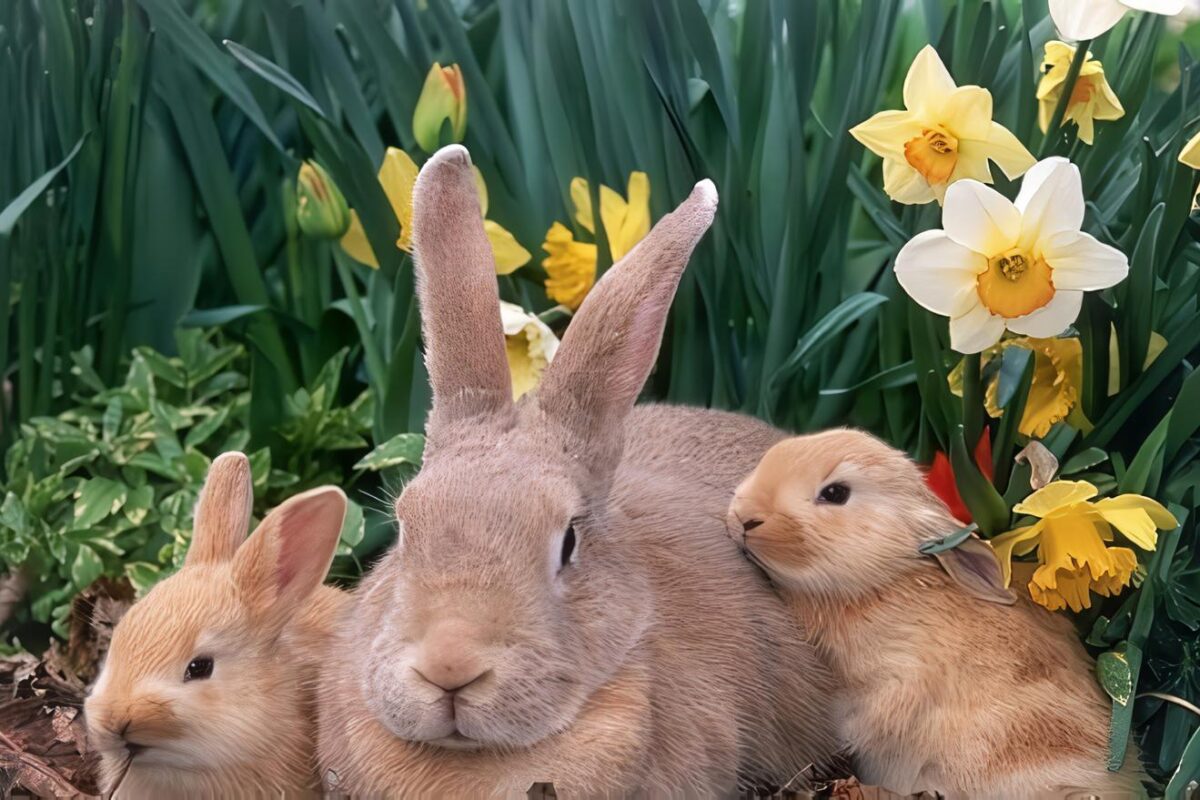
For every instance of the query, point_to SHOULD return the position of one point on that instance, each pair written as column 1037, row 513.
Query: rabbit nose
column 450, row 657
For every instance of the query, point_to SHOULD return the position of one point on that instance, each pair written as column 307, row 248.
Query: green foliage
column 151, row 182
column 108, row 486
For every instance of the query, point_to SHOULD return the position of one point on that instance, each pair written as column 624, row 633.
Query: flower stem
column 972, row 398
column 375, row 368
column 1064, row 100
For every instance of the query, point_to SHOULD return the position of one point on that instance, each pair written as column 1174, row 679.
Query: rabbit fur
column 950, row 683
column 562, row 603
column 257, row 609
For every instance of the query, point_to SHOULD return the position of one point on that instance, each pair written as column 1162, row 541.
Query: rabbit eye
column 568, row 547
column 835, row 494
column 198, row 669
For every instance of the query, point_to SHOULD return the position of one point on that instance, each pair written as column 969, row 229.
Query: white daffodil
column 529, row 344
column 999, row 265
column 1086, row 19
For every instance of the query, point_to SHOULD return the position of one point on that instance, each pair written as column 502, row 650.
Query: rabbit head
column 840, row 513
column 193, row 675
column 505, row 603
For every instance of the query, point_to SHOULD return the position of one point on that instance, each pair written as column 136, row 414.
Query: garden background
column 172, row 290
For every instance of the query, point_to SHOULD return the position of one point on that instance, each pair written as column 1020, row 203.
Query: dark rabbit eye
column 198, row 669
column 835, row 493
column 568, row 546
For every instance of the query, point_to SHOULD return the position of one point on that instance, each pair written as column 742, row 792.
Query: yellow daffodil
column 999, row 265
column 945, row 133
column 1153, row 350
column 443, row 99
column 571, row 265
column 1080, row 20
column 1091, row 98
column 1070, row 537
column 398, row 175
column 1057, row 378
column 529, row 344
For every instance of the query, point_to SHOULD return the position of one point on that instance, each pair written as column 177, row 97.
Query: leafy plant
column 108, row 487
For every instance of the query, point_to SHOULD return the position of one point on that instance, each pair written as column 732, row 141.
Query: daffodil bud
column 321, row 210
column 443, row 99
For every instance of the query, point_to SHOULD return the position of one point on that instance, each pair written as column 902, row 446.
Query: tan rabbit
column 951, row 684
column 208, row 687
column 563, row 603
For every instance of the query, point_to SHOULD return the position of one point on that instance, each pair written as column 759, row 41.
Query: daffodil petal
column 1190, row 154
column 975, row 330
column 1166, row 7
column 354, row 242
column 1050, row 200
column 1085, row 19
column 1052, row 318
column 398, row 176
column 967, row 112
column 972, row 162
column 582, row 199
column 1005, row 543
column 636, row 224
column 1054, row 496
column 1138, row 518
column 980, row 218
column 905, row 185
column 1081, row 263
column 1006, row 150
column 886, row 133
column 506, row 250
column 928, row 82
column 939, row 273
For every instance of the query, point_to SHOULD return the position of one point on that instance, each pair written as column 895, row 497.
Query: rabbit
column 208, row 688
column 562, row 603
column 950, row 683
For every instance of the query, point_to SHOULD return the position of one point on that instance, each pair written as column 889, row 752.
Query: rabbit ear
column 223, row 511
column 973, row 566
column 456, row 284
column 288, row 554
column 610, row 346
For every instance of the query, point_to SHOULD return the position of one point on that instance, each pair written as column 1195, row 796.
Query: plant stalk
column 1064, row 100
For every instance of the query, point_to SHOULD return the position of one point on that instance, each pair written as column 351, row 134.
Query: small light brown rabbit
column 208, row 688
column 563, row 603
column 950, row 683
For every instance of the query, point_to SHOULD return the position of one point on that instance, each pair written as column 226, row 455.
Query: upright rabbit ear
column 288, row 554
column 456, row 284
column 223, row 511
column 610, row 346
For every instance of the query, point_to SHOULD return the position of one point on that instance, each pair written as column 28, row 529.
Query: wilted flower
column 1091, row 98
column 398, row 175
column 1070, row 537
column 1080, row 20
column 529, row 344
column 443, row 99
column 321, row 210
column 999, row 265
column 571, row 265
column 945, row 134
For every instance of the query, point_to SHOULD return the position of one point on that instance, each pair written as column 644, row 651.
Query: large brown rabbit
column 208, row 688
column 949, row 683
column 562, row 603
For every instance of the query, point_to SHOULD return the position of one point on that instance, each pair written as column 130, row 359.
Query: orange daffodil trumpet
column 1081, row 20
column 997, row 264
column 1091, row 98
column 945, row 133
column 398, row 175
column 1070, row 536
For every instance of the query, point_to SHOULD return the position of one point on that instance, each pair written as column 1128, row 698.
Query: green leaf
column 1112, row 670
column 275, row 75
column 352, row 525
column 404, row 448
column 97, row 499
column 1084, row 459
column 986, row 505
column 86, row 567
column 13, row 211
column 947, row 542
